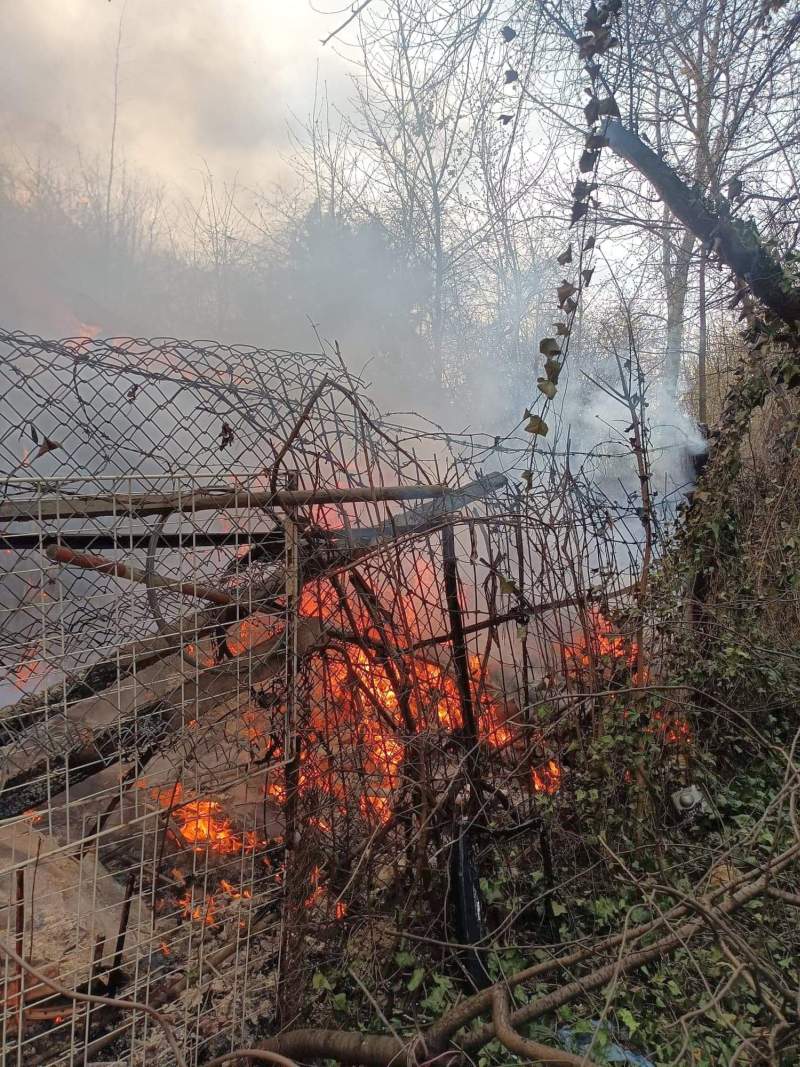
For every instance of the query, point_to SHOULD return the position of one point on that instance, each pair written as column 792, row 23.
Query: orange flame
column 28, row 671
column 202, row 823
column 602, row 643
column 547, row 778
column 205, row 911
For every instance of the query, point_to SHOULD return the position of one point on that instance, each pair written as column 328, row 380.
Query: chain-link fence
column 266, row 656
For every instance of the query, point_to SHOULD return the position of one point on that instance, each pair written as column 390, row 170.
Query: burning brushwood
column 320, row 551
column 129, row 722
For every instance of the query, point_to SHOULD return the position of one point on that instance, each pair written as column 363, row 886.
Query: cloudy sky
column 200, row 81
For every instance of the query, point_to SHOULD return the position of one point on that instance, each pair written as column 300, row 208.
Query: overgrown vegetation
column 641, row 892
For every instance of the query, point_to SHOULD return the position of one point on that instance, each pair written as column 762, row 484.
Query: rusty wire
column 199, row 733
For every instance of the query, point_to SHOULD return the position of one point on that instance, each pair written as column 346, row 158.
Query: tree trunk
column 677, row 283
column 736, row 243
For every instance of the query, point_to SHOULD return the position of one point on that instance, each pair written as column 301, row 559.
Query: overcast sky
column 201, row 81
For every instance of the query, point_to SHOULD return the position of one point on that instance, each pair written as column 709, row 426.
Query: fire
column 602, row 646
column 29, row 669
column 318, row 891
column 547, row 778
column 616, row 656
column 204, row 912
column 674, row 729
column 362, row 708
column 252, row 631
column 235, row 894
column 202, row 823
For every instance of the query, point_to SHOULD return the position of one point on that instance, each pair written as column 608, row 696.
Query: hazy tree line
column 424, row 214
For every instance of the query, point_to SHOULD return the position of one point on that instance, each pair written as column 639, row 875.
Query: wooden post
column 461, row 662
column 289, row 964
column 16, row 998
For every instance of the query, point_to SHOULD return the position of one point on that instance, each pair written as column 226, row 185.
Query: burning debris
column 285, row 698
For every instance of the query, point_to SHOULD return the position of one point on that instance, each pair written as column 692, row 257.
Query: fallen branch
column 223, row 499
column 378, row 1050
column 60, row 554
column 523, row 1046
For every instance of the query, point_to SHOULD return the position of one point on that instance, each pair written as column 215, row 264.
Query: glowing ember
column 28, row 671
column 235, row 894
column 202, row 823
column 252, row 631
column 204, row 912
column 547, row 778
column 603, row 645
column 203, row 657
column 318, row 891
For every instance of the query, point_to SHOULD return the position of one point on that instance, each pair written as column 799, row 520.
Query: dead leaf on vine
column 552, row 369
column 46, row 446
column 582, row 189
column 565, row 291
column 537, row 425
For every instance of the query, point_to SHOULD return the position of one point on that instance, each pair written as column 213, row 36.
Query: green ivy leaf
column 415, row 981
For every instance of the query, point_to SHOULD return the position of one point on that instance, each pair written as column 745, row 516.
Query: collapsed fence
column 271, row 665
